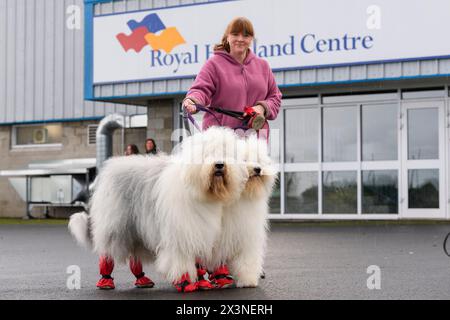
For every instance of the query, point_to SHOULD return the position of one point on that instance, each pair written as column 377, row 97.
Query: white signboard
column 290, row 34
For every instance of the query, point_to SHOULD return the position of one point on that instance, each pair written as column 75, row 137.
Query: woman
column 233, row 79
column 150, row 146
column 131, row 149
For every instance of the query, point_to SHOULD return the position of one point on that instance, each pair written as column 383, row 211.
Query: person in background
column 150, row 146
column 131, row 149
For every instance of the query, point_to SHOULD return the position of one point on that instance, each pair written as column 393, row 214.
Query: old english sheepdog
column 166, row 209
column 242, row 242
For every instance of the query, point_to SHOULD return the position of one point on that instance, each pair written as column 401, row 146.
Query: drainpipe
column 104, row 135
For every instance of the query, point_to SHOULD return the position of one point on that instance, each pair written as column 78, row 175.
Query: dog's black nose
column 219, row 165
column 257, row 170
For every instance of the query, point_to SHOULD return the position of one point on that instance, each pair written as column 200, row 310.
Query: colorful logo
column 145, row 33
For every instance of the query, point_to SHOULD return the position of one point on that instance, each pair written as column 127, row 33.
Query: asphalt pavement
column 304, row 261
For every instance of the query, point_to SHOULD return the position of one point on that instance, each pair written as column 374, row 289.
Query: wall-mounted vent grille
column 92, row 130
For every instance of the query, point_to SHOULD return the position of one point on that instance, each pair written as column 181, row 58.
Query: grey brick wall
column 74, row 145
column 160, row 123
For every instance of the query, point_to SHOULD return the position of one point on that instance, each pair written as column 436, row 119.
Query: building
column 363, row 130
column 43, row 115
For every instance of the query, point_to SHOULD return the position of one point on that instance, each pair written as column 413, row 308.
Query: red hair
column 237, row 25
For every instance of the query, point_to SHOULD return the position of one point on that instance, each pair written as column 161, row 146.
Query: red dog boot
column 106, row 265
column 144, row 282
column 141, row 280
column 221, row 278
column 185, row 284
column 106, row 283
column 202, row 283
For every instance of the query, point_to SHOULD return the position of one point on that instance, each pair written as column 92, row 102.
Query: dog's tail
column 79, row 227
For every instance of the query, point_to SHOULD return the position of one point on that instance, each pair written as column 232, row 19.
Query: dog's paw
column 247, row 282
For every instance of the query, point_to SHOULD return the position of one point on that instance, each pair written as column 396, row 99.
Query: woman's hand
column 257, row 118
column 259, row 109
column 189, row 105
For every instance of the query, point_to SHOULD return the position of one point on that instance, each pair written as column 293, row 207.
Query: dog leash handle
column 249, row 117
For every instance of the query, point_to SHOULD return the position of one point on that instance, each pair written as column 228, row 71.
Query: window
column 302, row 132
column 379, row 132
column 301, row 192
column 37, row 135
column 339, row 134
column 423, row 134
column 380, row 191
column 339, row 192
column 275, row 199
column 423, row 188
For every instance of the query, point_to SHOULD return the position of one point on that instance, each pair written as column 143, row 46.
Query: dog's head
column 212, row 169
column 261, row 171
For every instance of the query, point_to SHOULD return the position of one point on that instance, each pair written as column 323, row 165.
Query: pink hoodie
column 225, row 83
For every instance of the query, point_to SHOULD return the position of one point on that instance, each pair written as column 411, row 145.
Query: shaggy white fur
column 165, row 208
column 242, row 242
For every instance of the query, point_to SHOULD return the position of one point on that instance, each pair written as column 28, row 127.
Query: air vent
column 40, row 135
column 92, row 130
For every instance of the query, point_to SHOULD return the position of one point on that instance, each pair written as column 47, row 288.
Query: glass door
column 423, row 169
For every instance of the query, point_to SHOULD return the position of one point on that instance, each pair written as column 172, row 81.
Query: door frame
column 440, row 164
